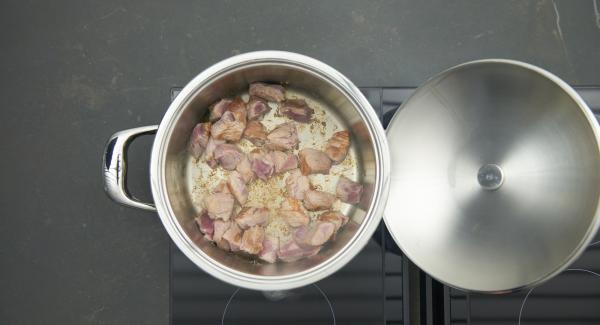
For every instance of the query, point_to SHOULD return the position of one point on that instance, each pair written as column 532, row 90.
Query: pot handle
column 114, row 167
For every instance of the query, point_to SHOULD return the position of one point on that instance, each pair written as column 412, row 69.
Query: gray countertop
column 74, row 72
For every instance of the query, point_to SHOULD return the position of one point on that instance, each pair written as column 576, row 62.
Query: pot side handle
column 114, row 166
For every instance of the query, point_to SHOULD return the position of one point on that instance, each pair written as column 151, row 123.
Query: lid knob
column 490, row 177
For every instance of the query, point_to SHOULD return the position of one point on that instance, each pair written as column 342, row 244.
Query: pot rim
column 325, row 268
column 592, row 123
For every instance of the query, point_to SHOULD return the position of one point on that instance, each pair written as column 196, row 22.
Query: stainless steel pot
column 170, row 165
column 495, row 183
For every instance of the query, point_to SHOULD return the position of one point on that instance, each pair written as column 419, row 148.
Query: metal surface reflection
column 540, row 210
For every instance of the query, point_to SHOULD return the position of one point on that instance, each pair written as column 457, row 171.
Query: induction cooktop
column 380, row 286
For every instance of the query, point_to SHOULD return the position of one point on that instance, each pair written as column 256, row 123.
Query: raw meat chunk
column 219, row 205
column 284, row 161
column 290, row 251
column 209, row 153
column 337, row 146
column 315, row 235
column 334, row 217
column 256, row 133
column 228, row 128
column 217, row 110
column 228, row 155
column 270, row 249
column 297, row 184
column 270, row 92
column 318, row 200
column 199, row 139
column 238, row 109
column 206, row 225
column 262, row 164
column 283, row 137
column 221, row 188
column 221, row 228
column 233, row 236
column 313, row 161
column 252, row 240
column 244, row 167
column 252, row 216
column 293, row 213
column 297, row 110
column 348, row 191
column 237, row 187
column 257, row 108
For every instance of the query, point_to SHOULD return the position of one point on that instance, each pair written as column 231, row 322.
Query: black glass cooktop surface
column 379, row 286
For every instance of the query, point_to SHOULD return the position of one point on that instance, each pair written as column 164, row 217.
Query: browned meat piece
column 335, row 217
column 271, row 92
column 244, row 167
column 252, row 216
column 297, row 110
column 290, row 251
column 219, row 205
column 300, row 234
column 283, row 137
column 293, row 213
column 262, row 164
column 199, row 139
column 257, row 107
column 228, row 155
column 221, row 228
column 270, row 249
column 256, row 133
column 206, row 225
column 217, row 110
column 221, row 188
column 318, row 200
column 348, row 191
column 284, row 161
column 296, row 184
column 238, row 108
column 228, row 128
column 209, row 156
column 237, row 187
column 223, row 244
column 252, row 240
column 233, row 236
column 337, row 146
column 315, row 235
column 313, row 161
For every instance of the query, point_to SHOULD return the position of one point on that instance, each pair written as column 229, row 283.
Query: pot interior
column 182, row 172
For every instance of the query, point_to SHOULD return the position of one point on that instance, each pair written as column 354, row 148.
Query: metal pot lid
column 495, row 180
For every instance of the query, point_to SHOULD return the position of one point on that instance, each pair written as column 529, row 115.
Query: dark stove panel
column 571, row 298
column 357, row 294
